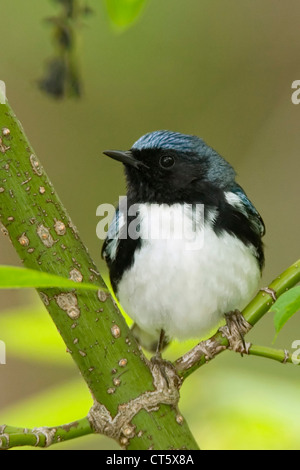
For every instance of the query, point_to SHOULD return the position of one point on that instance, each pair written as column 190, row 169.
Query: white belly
column 184, row 289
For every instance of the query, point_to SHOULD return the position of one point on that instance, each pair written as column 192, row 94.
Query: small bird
column 184, row 247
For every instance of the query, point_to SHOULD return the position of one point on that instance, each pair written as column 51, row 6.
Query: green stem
column 270, row 353
column 261, row 304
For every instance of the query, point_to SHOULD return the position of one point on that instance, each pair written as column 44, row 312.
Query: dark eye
column 166, row 161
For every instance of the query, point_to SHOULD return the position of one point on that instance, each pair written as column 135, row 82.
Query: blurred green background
column 219, row 69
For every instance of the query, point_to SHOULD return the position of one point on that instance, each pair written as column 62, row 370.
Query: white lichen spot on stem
column 69, row 303
column 24, row 240
column 75, row 275
column 45, row 236
column 123, row 362
column 116, row 382
column 102, row 296
column 179, row 419
column 37, row 169
column 5, row 132
column 115, row 331
column 59, row 227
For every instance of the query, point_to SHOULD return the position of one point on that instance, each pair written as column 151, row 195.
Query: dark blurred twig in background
column 62, row 76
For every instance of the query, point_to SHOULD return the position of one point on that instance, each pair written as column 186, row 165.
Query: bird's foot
column 270, row 291
column 235, row 329
column 165, row 368
column 165, row 372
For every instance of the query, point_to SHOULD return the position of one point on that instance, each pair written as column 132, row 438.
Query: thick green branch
column 93, row 329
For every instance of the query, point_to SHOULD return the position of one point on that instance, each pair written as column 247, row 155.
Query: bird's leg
column 157, row 360
column 160, row 344
column 235, row 329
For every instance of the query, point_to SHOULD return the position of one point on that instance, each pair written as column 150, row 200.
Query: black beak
column 125, row 157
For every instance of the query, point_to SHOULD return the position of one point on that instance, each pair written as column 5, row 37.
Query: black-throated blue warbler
column 196, row 252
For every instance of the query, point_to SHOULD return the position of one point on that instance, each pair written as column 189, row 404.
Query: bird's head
column 165, row 166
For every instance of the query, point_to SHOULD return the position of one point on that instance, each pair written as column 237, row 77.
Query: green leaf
column 285, row 307
column 123, row 13
column 12, row 277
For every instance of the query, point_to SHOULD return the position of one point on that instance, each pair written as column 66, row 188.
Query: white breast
column 184, row 284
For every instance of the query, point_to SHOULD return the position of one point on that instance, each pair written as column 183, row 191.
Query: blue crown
column 170, row 140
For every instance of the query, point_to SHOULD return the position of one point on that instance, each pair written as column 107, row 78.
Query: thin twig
column 43, row 437
column 255, row 310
